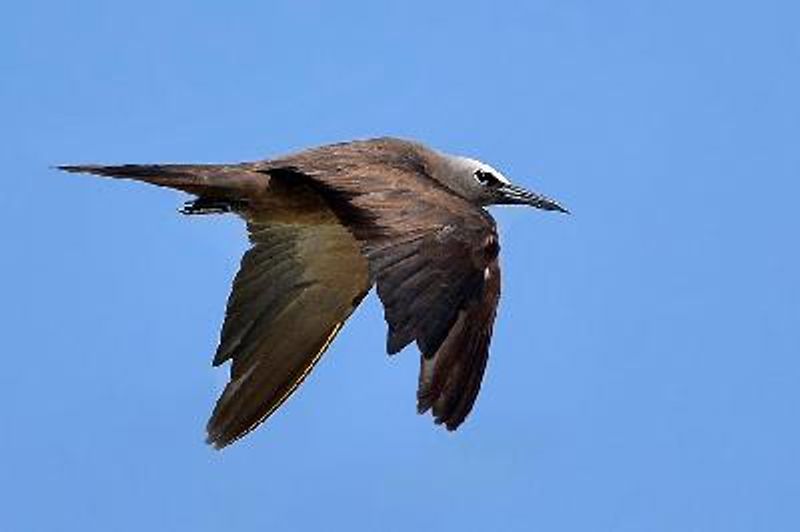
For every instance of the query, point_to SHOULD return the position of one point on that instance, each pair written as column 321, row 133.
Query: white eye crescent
column 487, row 178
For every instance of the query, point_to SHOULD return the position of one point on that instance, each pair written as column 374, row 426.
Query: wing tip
column 214, row 444
column 450, row 422
column 216, row 441
column 451, row 425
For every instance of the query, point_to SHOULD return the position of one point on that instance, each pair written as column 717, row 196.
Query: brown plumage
column 325, row 225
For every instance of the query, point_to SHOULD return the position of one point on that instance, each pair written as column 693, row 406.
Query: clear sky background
column 645, row 371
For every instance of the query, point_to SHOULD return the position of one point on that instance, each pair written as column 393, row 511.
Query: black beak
column 514, row 195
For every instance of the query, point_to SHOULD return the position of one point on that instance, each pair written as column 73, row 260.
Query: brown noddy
column 328, row 223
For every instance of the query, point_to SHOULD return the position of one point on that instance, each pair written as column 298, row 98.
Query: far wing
column 441, row 290
column 450, row 380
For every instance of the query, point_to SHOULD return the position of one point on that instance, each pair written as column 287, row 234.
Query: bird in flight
column 325, row 225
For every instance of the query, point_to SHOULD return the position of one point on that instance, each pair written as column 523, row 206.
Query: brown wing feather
column 297, row 285
column 450, row 380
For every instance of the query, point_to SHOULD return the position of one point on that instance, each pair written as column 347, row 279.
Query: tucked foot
column 211, row 206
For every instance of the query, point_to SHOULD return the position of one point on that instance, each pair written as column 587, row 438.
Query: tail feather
column 213, row 180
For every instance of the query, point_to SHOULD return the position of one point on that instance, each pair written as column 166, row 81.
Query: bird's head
column 481, row 184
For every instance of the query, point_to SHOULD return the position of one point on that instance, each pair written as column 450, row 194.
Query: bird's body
column 328, row 223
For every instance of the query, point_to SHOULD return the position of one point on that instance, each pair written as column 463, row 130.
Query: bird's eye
column 487, row 179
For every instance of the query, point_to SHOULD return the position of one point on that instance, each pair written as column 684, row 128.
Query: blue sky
column 645, row 367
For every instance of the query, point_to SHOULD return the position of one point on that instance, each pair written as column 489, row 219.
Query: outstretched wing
column 297, row 285
column 432, row 254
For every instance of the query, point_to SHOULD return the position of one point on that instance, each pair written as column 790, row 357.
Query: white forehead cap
column 478, row 165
